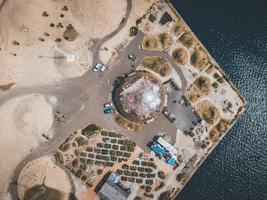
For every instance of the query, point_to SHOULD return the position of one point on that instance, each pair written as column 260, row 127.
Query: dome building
column 140, row 97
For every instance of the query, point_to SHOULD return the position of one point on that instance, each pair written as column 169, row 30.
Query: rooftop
column 111, row 190
column 140, row 97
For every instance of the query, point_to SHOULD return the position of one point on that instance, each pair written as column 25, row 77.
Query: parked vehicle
column 165, row 112
column 97, row 67
column 181, row 101
column 171, row 117
column 132, row 57
column 194, row 123
column 123, row 75
column 108, row 110
column 107, row 105
column 174, row 85
column 103, row 68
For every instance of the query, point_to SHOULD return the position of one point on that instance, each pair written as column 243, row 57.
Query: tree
column 133, row 31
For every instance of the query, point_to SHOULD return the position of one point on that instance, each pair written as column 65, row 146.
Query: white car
column 132, row 57
column 103, row 68
column 107, row 105
column 181, row 101
column 97, row 67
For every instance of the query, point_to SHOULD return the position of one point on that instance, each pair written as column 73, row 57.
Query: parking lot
column 180, row 108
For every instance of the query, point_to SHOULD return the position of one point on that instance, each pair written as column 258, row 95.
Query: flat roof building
column 166, row 145
column 164, row 150
column 112, row 190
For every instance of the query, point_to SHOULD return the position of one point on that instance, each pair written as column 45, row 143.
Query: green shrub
column 90, row 129
column 215, row 85
column 133, row 31
column 220, row 80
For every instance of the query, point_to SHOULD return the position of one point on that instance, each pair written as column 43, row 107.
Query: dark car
column 108, row 110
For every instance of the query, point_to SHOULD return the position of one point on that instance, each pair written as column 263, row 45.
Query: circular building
column 140, row 97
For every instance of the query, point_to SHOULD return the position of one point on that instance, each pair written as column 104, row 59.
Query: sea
column 235, row 33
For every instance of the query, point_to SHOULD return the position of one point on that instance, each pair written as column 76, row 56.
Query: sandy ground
column 28, row 61
column 43, row 170
column 23, row 121
column 139, row 7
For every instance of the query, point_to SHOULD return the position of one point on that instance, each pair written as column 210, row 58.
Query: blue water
column 235, row 33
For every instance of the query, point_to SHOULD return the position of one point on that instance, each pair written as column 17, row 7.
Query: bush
column 181, row 177
column 216, row 75
column 188, row 40
column 157, row 64
column 138, row 21
column 133, row 31
column 215, row 85
column 220, row 80
column 64, row 147
column 90, row 129
column 165, row 195
column 59, row 157
column 125, row 166
column 161, row 174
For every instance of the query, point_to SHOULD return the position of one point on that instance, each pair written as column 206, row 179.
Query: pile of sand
column 32, row 116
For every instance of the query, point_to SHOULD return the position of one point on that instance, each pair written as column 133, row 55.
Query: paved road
column 81, row 100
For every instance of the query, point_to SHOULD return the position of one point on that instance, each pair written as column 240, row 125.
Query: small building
column 166, row 145
column 112, row 190
column 164, row 151
column 166, row 17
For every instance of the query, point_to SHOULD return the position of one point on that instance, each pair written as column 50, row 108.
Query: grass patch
column 180, row 56
column 165, row 40
column 90, row 130
column 214, row 135
column 178, row 28
column 133, row 31
column 181, row 177
column 199, row 59
column 201, row 87
column 222, row 126
column 157, row 64
column 208, row 112
column 156, row 42
column 188, row 40
column 150, row 43
column 123, row 122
